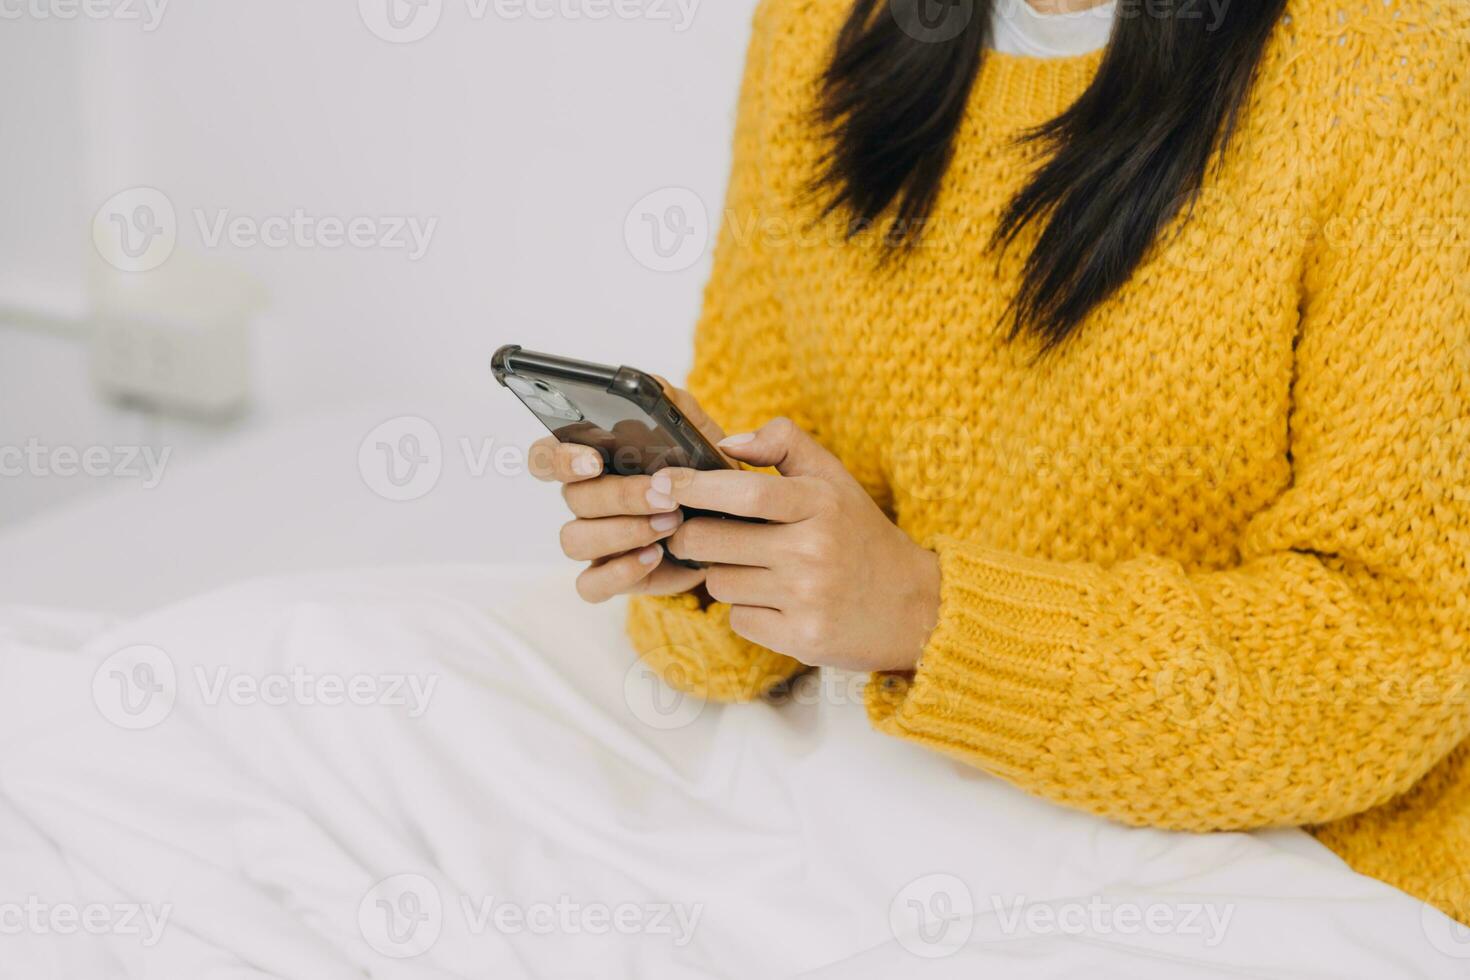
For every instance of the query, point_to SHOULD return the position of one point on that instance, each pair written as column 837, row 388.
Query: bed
column 527, row 800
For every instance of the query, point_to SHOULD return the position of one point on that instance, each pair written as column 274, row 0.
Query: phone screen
column 630, row 440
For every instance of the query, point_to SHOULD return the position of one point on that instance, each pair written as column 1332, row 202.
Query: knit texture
column 1207, row 567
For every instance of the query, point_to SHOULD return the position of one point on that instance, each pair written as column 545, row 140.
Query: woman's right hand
column 619, row 520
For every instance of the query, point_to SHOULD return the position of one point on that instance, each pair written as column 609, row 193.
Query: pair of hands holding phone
column 829, row 580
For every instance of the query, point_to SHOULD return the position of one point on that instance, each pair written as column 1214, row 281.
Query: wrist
column 932, row 583
column 921, row 598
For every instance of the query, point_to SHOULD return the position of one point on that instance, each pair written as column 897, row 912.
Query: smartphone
column 622, row 412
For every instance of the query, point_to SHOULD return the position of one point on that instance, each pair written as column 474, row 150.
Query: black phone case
column 621, row 412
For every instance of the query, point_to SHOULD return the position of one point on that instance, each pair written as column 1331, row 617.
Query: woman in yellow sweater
column 1121, row 409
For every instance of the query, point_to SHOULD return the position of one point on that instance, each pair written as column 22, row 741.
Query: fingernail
column 586, row 464
column 662, row 482
column 738, row 439
column 666, row 522
column 659, row 501
column 650, row 555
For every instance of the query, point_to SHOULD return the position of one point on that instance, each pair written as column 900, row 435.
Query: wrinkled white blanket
column 463, row 772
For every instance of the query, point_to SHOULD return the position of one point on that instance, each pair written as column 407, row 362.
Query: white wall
column 528, row 139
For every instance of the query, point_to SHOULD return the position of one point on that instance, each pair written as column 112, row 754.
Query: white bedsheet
column 537, row 806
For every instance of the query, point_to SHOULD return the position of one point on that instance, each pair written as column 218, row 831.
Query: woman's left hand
column 830, row 580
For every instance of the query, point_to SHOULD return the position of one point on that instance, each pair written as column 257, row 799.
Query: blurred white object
column 175, row 338
column 292, row 495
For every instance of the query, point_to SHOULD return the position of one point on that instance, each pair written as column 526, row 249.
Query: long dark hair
column 1121, row 161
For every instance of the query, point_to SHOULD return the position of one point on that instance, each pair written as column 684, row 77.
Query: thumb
column 783, row 444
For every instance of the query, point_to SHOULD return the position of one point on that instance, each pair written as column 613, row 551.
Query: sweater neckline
column 1034, row 86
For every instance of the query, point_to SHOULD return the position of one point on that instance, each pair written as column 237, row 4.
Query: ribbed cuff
column 995, row 680
column 694, row 649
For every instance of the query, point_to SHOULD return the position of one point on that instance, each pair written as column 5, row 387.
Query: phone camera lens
column 544, row 400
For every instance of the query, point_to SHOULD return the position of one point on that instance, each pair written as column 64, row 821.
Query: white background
column 529, row 135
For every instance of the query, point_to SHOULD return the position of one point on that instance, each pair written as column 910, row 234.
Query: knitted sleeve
column 742, row 377
column 1329, row 669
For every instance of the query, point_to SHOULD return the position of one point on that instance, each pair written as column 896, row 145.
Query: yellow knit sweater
column 1208, row 567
